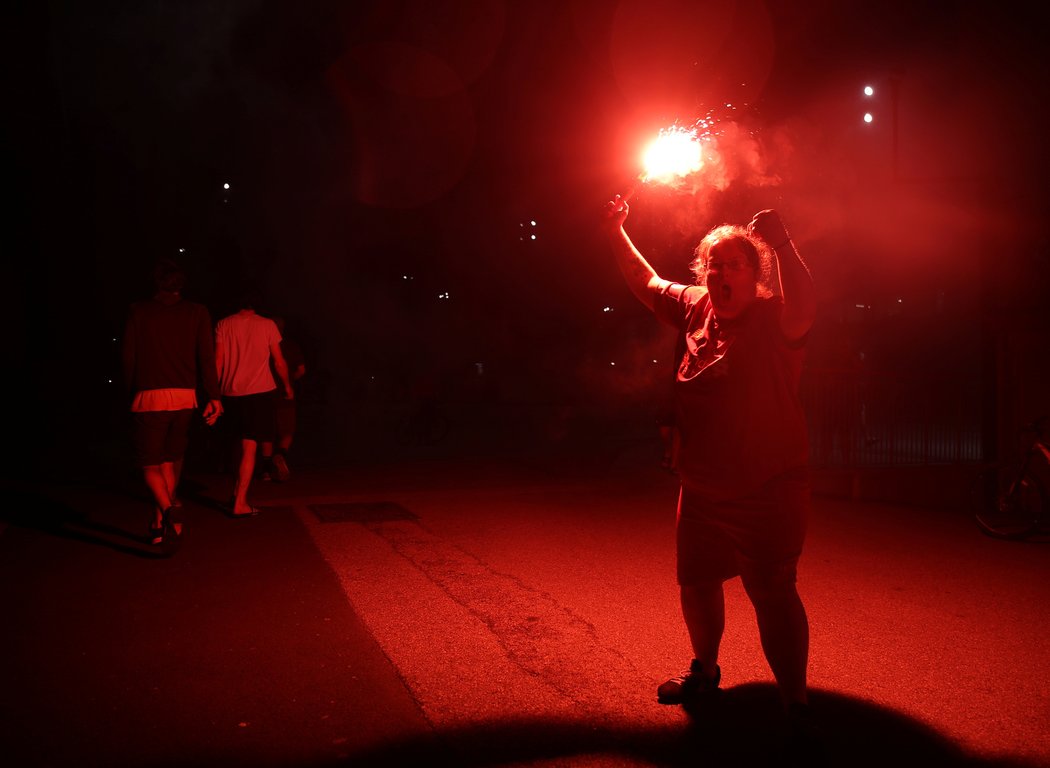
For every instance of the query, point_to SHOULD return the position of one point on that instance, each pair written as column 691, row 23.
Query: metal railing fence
column 861, row 419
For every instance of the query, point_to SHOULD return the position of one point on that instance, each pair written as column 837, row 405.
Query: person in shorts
column 167, row 353
column 275, row 453
column 245, row 345
column 743, row 447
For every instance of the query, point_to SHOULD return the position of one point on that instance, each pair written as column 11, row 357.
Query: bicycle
column 1011, row 499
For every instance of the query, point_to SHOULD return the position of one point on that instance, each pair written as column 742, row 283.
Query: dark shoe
column 171, row 536
column 690, row 687
column 280, row 466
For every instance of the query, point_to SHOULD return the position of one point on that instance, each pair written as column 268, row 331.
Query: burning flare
column 674, row 153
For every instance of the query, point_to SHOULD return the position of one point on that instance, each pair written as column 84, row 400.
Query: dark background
column 386, row 161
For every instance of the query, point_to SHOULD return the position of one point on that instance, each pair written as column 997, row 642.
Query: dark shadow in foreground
column 746, row 730
column 45, row 510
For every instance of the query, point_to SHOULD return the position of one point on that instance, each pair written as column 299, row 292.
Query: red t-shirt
column 738, row 412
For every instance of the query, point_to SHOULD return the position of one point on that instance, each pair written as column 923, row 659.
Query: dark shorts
column 160, row 437
column 756, row 536
column 252, row 417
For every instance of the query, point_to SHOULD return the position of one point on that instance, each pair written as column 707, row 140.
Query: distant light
column 114, row 338
column 182, row 250
column 613, row 363
column 655, row 360
column 868, row 117
column 533, row 222
column 226, row 185
column 533, row 237
column 869, row 91
column 109, row 381
column 407, row 277
column 443, row 295
column 860, row 306
column 900, row 301
column 607, row 309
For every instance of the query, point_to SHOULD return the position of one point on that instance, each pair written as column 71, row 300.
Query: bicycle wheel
column 1008, row 507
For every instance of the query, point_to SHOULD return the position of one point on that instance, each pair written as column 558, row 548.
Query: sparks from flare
column 702, row 158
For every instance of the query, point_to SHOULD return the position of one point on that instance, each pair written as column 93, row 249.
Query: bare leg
column 703, row 608
column 279, row 454
column 176, row 475
column 280, row 459
column 285, row 434
column 171, row 471
column 784, row 630
column 158, row 477
column 244, row 477
column 266, row 452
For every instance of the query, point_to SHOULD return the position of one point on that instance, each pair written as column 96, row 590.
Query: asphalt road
column 486, row 612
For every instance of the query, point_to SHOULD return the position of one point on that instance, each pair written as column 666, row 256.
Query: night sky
column 381, row 155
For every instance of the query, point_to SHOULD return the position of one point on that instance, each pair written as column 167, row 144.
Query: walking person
column 275, row 455
column 743, row 451
column 167, row 353
column 245, row 345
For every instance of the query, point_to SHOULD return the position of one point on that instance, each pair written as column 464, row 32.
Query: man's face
column 731, row 280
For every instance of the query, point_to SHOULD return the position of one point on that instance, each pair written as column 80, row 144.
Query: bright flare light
column 675, row 152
